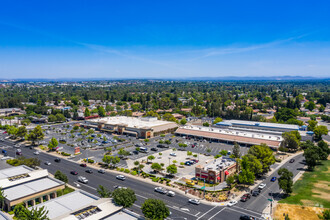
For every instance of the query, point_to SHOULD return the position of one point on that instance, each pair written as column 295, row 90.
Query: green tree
column 290, row 141
column 230, row 180
column 217, row 120
column 23, row 213
column 53, row 143
column 2, row 198
column 183, row 121
column 264, row 154
column 36, row 134
column 169, row 117
column 325, row 215
column 21, row 132
column 324, row 150
column 311, row 125
column 310, row 105
column 254, row 164
column 103, row 192
column 285, row 180
column 151, row 157
column 172, row 169
column 246, row 177
column 319, row 131
column 155, row 209
column 156, row 167
column 87, row 112
column 61, row 176
column 206, row 124
column 123, row 152
column 124, row 197
column 236, row 151
column 101, row 111
column 51, row 118
column 60, row 117
column 311, row 155
column 12, row 130
column 223, row 152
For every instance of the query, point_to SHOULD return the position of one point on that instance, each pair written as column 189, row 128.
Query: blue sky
column 134, row 39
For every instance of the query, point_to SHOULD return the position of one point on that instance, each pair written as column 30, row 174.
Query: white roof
column 263, row 124
column 132, row 122
column 30, row 188
column 67, row 203
column 14, row 171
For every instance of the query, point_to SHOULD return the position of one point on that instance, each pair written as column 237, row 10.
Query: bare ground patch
column 297, row 212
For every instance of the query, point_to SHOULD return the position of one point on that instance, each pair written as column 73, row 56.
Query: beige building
column 25, row 185
column 145, row 127
column 216, row 171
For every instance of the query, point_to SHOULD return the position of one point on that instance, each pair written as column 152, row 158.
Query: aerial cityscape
column 164, row 110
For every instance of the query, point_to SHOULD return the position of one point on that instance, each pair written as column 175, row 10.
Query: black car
column 160, row 146
column 135, row 152
column 57, row 160
column 292, row 161
column 74, row 172
column 154, row 149
column 89, row 171
column 245, row 217
column 255, row 193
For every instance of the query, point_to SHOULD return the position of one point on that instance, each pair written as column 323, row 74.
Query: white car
column 194, row 201
column 173, row 154
column 82, row 179
column 47, row 163
column 36, row 153
column 160, row 190
column 262, row 185
column 232, row 202
column 171, row 193
column 121, row 177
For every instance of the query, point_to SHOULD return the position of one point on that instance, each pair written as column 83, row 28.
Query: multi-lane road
column 179, row 206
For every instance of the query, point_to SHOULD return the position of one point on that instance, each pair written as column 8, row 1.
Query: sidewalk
column 216, row 188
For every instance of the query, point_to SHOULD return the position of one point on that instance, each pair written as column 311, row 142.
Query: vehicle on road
column 262, row 185
column 89, row 171
column 101, row 171
column 18, row 152
column 121, row 177
column 232, row 202
column 244, row 217
column 273, row 179
column 83, row 179
column 171, row 193
column 154, row 149
column 57, row 160
column 74, row 172
column 255, row 193
column 194, row 201
column 4, row 151
column 160, row 190
column 245, row 197
column 173, row 154
column 292, row 161
column 47, row 163
column 36, row 152
column 83, row 165
column 119, row 187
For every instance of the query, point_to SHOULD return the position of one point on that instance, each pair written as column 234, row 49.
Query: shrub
column 65, row 154
column 155, row 179
column 122, row 169
column 182, row 163
column 126, row 171
column 134, row 173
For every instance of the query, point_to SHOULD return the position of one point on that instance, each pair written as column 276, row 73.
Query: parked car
column 83, row 179
column 101, row 171
column 47, row 163
column 4, row 151
column 188, row 163
column 160, row 190
column 262, row 185
column 154, row 149
column 273, row 179
column 244, row 217
column 74, row 172
column 160, row 146
column 244, row 199
column 292, row 161
column 121, row 177
column 83, row 165
column 135, row 152
column 89, row 171
column 232, row 202
column 194, row 201
column 196, row 161
column 248, row 195
column 57, row 160
column 173, row 154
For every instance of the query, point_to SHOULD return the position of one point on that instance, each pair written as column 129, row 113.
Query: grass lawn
column 313, row 189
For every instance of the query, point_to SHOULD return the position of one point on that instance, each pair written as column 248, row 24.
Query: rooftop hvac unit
column 270, row 137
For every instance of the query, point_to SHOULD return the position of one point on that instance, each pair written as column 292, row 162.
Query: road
column 178, row 205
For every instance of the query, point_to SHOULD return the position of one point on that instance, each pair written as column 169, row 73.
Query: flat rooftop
column 14, row 171
column 29, row 188
column 230, row 135
column 132, row 122
column 67, row 203
column 259, row 124
column 218, row 164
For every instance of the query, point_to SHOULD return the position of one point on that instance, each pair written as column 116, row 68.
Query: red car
column 83, row 165
column 74, row 172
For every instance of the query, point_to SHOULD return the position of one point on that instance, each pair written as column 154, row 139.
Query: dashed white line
column 217, row 213
column 85, row 185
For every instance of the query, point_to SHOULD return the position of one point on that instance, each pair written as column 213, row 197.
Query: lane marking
column 206, row 212
column 86, row 186
column 245, row 213
column 197, row 213
column 217, row 213
column 137, row 205
column 246, row 210
column 141, row 196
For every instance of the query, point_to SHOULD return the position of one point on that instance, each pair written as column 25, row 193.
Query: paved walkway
column 213, row 188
